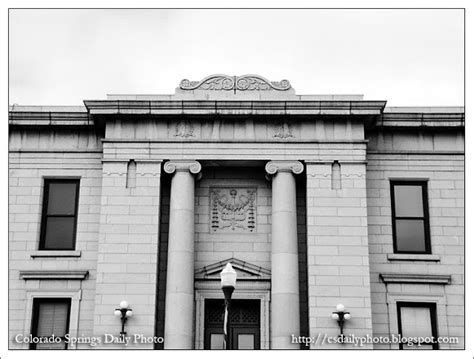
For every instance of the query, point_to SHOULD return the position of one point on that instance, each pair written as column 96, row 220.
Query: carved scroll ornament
column 240, row 83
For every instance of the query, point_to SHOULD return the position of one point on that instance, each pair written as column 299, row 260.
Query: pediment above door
column 245, row 271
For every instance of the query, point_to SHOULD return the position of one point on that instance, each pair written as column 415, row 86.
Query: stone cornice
column 81, row 116
column 54, row 275
column 421, row 119
column 257, row 107
column 49, row 118
column 411, row 278
column 182, row 166
column 273, row 167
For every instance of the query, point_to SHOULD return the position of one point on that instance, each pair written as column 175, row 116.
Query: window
column 50, row 317
column 411, row 229
column 59, row 219
column 417, row 320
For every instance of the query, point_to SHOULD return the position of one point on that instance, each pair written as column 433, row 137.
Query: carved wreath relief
column 233, row 210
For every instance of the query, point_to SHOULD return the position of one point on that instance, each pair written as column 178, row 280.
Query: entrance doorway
column 244, row 319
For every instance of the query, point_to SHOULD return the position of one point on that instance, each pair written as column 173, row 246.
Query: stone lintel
column 410, row 278
column 54, row 275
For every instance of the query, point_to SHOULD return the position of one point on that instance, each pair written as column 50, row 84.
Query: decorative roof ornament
column 235, row 83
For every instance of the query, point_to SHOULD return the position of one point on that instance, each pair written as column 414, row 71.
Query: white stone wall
column 128, row 250
column 338, row 257
column 26, row 179
column 445, row 176
column 349, row 234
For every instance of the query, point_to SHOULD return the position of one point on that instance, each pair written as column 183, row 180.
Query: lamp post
column 341, row 316
column 123, row 312
column 228, row 280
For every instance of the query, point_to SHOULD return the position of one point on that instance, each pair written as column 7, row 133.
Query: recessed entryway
column 244, row 317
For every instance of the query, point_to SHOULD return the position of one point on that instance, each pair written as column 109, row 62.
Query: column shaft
column 180, row 272
column 285, row 304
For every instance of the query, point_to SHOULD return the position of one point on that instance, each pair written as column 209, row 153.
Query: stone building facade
column 316, row 200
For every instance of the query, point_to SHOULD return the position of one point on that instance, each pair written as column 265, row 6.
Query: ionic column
column 180, row 272
column 285, row 303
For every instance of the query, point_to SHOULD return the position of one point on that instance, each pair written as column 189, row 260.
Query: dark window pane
column 408, row 201
column 62, row 198
column 52, row 319
column 410, row 235
column 59, row 233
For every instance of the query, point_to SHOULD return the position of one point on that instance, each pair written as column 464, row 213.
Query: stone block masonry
column 128, row 249
column 27, row 172
column 338, row 256
column 444, row 175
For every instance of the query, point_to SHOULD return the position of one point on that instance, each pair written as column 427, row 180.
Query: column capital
column 273, row 167
column 182, row 166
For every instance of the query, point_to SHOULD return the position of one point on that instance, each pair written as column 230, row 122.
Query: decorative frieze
column 233, row 210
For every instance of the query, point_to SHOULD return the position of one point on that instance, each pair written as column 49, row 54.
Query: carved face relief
column 233, row 210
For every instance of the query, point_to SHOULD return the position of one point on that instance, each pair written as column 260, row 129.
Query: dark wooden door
column 244, row 332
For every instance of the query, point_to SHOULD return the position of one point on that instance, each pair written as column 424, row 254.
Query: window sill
column 42, row 254
column 413, row 257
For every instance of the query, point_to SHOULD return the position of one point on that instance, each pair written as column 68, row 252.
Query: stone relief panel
column 184, row 129
column 233, row 210
column 283, row 130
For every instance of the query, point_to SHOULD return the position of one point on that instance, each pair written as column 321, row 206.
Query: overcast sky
column 408, row 57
